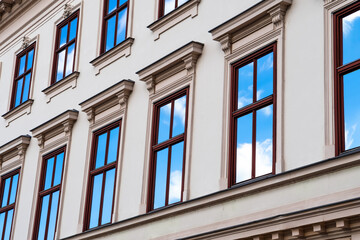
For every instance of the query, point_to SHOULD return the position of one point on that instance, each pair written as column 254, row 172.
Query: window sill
column 15, row 113
column 106, row 58
column 68, row 82
column 188, row 9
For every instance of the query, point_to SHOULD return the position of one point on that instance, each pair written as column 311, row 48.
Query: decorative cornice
column 117, row 94
column 7, row 6
column 15, row 148
column 15, row 113
column 185, row 56
column 61, row 123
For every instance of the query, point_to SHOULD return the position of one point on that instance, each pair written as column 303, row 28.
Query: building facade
column 179, row 119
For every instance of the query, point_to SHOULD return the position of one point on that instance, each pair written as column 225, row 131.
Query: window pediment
column 12, row 153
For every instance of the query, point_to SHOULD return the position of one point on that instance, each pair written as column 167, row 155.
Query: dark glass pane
column 160, row 178
column 108, row 196
column 2, row 222
column 352, row 109
column 179, row 116
column 30, row 59
column 113, row 145
column 245, row 85
column 101, row 150
column 26, row 88
column 53, row 215
column 169, row 6
column 264, row 76
column 70, row 59
column 22, row 65
column 176, row 168
column 110, row 33
column 58, row 169
column 6, row 192
column 121, row 27
column 19, row 85
column 60, row 65
column 244, row 147
column 63, row 36
column 164, row 123
column 14, row 185
column 95, row 201
column 121, row 2
column 73, row 29
column 49, row 173
column 43, row 217
column 10, row 214
column 264, row 137
column 112, row 5
column 351, row 39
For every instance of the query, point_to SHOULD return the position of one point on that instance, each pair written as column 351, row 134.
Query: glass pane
column 160, row 178
column 2, row 222
column 6, row 192
column 180, row 2
column 26, row 88
column 244, row 147
column 14, row 185
column 58, row 168
column 19, row 86
column 179, row 116
column 73, row 29
column 121, row 27
column 108, row 196
column 351, row 39
column 264, row 76
column 63, row 36
column 121, row 2
column 110, row 33
column 112, row 5
column 43, row 217
column 8, row 224
column 70, row 59
column 164, row 123
column 113, row 145
column 176, row 166
column 49, row 173
column 53, row 215
column 101, row 150
column 95, row 201
column 352, row 109
column 264, row 137
column 60, row 65
column 22, row 65
column 30, row 59
column 245, row 85
column 169, row 6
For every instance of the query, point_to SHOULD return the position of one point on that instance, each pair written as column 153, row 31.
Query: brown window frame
column 50, row 191
column 339, row 71
column 12, row 206
column 58, row 49
column 236, row 113
column 106, row 16
column 93, row 172
column 16, row 77
column 155, row 147
column 162, row 7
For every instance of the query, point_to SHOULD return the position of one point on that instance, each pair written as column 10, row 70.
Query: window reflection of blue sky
column 245, row 85
column 176, row 172
column 160, row 178
column 351, row 39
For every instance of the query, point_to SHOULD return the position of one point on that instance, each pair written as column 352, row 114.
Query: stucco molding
column 119, row 51
column 15, row 113
column 69, row 81
column 14, row 149
column 188, row 9
column 9, row 9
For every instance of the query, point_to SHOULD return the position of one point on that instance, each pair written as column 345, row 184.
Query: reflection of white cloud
column 267, row 111
column 175, row 186
column 258, row 94
column 165, row 114
column 70, row 61
column 244, row 159
column 349, row 135
column 180, row 107
column 348, row 22
column 169, row 6
column 267, row 64
column 61, row 62
column 121, row 25
column 243, row 101
column 180, row 2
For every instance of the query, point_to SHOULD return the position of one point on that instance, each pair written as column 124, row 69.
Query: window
column 167, row 6
column 23, row 72
column 168, row 150
column 49, row 195
column 347, row 77
column 65, row 47
column 115, row 23
column 252, row 116
column 9, row 186
column 102, row 175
